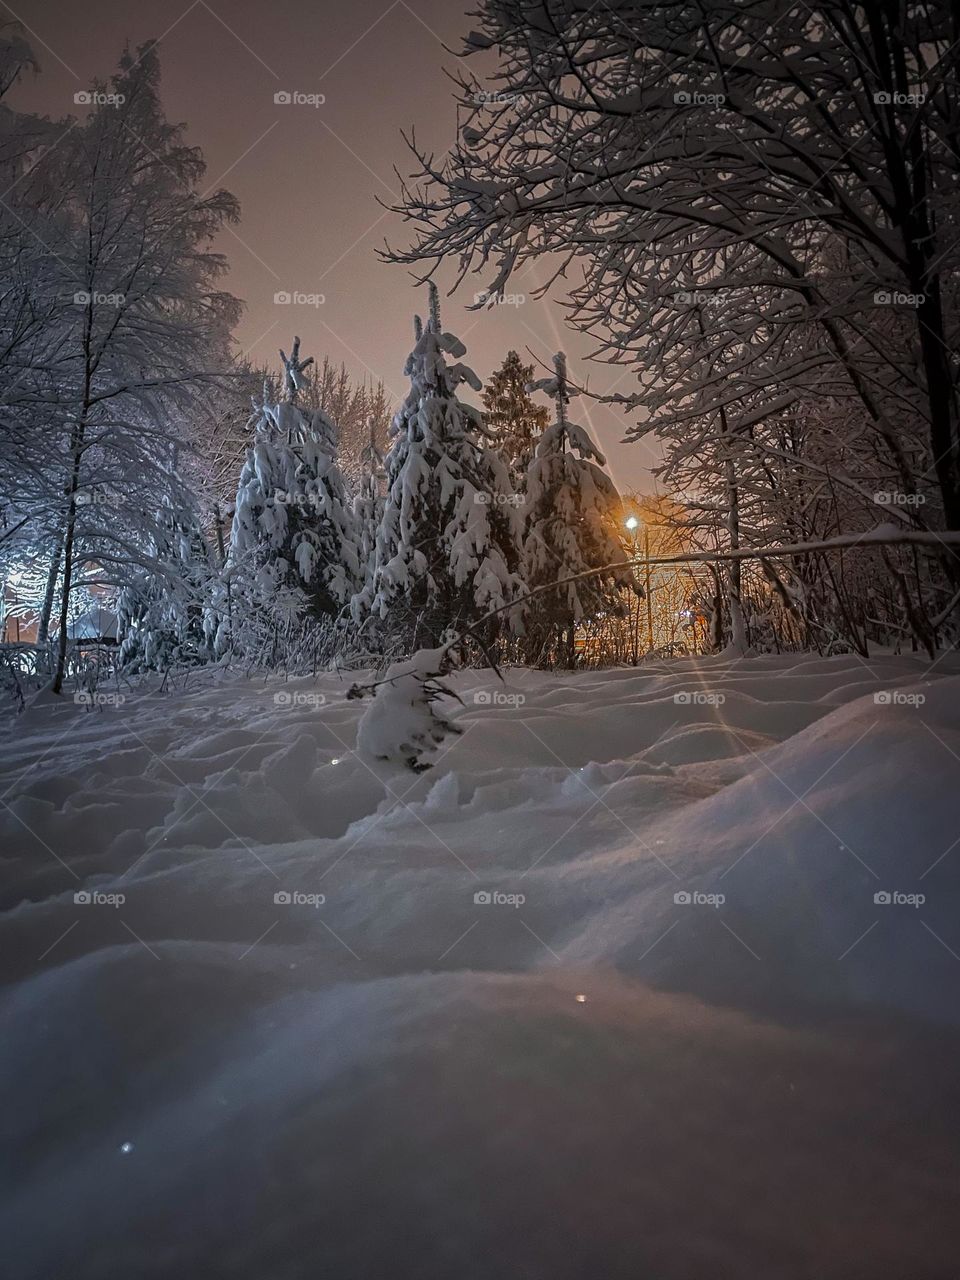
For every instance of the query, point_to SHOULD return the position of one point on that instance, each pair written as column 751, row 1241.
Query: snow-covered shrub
column 402, row 723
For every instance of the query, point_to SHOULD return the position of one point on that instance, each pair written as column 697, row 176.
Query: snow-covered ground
column 608, row 992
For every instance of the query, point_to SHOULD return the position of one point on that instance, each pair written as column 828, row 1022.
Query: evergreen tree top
column 293, row 371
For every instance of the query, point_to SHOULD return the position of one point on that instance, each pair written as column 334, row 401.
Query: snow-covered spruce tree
column 448, row 545
column 572, row 525
column 514, row 420
column 368, row 505
column 161, row 613
column 293, row 543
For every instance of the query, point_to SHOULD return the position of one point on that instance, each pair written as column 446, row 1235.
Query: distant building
column 18, row 622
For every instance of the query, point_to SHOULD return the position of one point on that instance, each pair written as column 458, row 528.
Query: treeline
column 793, row 398
column 446, row 533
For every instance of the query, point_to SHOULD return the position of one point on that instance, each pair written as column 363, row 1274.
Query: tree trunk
column 738, row 631
column 571, row 645
column 76, row 452
column 43, row 627
column 68, row 540
column 943, row 418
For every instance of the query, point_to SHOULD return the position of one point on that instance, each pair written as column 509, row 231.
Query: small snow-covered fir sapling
column 403, row 723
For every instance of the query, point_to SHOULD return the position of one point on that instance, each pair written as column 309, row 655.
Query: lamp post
column 646, row 587
column 632, row 525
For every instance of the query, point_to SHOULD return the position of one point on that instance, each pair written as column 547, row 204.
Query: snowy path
column 584, row 1076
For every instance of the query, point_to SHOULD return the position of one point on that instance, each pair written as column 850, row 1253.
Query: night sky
column 308, row 177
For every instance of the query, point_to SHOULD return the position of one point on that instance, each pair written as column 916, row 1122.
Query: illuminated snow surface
column 577, row 1075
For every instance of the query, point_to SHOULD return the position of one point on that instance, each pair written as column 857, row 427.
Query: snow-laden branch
column 882, row 536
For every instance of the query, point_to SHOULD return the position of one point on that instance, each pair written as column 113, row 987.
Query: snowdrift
column 655, row 973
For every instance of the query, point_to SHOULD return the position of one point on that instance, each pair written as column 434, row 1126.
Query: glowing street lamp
column 632, row 523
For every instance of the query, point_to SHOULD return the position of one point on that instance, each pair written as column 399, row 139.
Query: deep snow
column 577, row 1075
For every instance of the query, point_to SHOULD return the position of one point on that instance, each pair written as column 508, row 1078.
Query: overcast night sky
column 308, row 178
